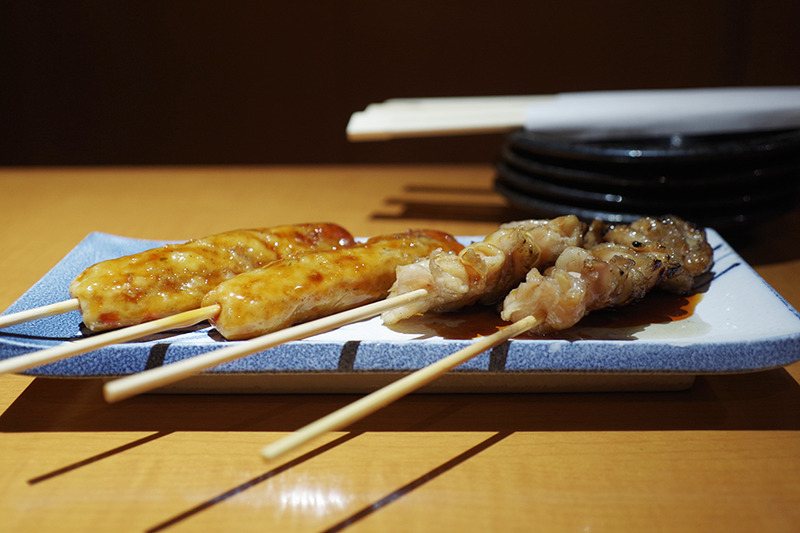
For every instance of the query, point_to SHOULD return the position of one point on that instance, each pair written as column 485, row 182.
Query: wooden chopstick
column 70, row 349
column 421, row 117
column 409, row 119
column 128, row 386
column 394, row 391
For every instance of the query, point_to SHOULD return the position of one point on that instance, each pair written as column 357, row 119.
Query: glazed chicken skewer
column 666, row 252
column 173, row 278
column 619, row 265
column 484, row 271
column 294, row 289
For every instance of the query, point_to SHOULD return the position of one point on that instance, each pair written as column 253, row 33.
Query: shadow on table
column 427, row 202
column 767, row 400
column 758, row 244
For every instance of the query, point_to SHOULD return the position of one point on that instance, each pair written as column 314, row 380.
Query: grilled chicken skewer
column 484, row 271
column 308, row 286
column 170, row 279
column 619, row 265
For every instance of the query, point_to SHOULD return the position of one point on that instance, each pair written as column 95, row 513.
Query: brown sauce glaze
column 467, row 323
column 656, row 308
column 479, row 321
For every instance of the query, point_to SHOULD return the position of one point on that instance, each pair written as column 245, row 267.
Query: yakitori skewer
column 394, row 391
column 484, row 271
column 631, row 260
column 294, row 289
column 173, row 278
column 309, row 286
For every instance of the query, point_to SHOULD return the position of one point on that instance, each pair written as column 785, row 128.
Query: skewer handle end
column 44, row 311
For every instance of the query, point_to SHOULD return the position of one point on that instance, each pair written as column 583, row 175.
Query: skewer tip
column 382, row 397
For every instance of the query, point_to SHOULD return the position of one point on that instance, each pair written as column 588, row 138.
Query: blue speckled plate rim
column 321, row 357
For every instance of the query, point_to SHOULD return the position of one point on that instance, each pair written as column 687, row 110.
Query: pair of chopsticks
column 587, row 114
column 129, row 386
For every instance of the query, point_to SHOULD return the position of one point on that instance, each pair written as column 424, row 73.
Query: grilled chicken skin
column 317, row 284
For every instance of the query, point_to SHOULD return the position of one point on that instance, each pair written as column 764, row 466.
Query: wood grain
column 721, row 456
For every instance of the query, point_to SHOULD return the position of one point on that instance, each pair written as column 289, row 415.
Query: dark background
column 265, row 82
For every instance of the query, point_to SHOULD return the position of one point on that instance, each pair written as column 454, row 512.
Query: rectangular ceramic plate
column 739, row 324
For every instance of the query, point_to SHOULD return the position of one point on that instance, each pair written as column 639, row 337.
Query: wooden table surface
column 721, row 456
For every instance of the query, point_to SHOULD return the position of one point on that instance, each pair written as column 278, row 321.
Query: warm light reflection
column 313, row 500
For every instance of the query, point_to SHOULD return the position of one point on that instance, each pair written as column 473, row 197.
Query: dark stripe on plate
column 347, row 359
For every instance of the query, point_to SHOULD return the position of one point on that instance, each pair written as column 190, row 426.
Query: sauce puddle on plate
column 610, row 324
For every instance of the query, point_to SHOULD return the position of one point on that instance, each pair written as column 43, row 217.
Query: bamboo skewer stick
column 36, row 313
column 394, row 391
column 70, row 349
column 128, row 386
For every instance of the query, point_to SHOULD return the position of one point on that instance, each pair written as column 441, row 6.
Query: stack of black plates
column 718, row 181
